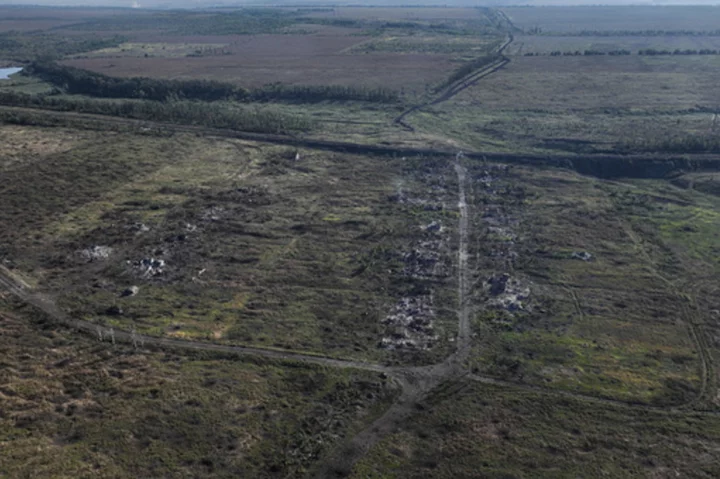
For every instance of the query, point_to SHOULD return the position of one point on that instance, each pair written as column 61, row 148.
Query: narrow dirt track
column 48, row 306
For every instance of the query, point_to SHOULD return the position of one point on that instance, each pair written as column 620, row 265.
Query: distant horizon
column 183, row 4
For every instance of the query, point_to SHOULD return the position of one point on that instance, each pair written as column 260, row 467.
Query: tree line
column 625, row 33
column 83, row 82
column 677, row 51
column 692, row 143
column 644, row 51
column 214, row 115
column 576, row 53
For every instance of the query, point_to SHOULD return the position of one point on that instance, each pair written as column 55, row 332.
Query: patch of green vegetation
column 265, row 119
column 481, row 430
column 155, row 49
column 427, row 44
column 28, row 47
column 23, row 84
column 611, row 324
column 247, row 21
column 73, row 408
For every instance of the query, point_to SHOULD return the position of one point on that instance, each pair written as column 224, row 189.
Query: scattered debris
column 176, row 238
column 507, row 293
column 150, row 266
column 503, row 234
column 434, row 227
column 96, row 252
column 410, row 324
column 190, row 228
column 139, row 228
column 419, row 263
column 131, row 291
column 213, row 213
column 582, row 255
column 114, row 311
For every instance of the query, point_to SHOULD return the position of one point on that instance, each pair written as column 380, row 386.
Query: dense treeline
column 645, row 51
column 684, row 144
column 318, row 93
column 83, row 82
column 215, row 115
column 19, row 48
column 652, row 51
column 587, row 53
column 625, row 33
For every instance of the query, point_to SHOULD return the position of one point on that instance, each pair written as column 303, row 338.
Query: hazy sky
column 205, row 3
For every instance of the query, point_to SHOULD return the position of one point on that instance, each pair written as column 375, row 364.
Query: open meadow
column 360, row 242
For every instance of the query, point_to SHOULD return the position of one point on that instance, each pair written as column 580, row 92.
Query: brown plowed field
column 291, row 59
column 582, row 83
column 390, row 13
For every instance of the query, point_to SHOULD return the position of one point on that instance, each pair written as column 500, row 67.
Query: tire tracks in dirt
column 45, row 304
column 708, row 388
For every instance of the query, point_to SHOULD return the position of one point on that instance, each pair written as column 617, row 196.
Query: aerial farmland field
column 359, row 242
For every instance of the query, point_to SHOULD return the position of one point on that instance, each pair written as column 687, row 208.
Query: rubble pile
column 504, row 290
column 214, row 213
column 95, row 253
column 149, row 267
column 410, row 324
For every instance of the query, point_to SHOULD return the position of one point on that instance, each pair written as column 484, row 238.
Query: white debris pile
column 420, row 263
column 410, row 324
column 433, row 227
column 214, row 213
column 581, row 255
column 131, row 291
column 148, row 267
column 507, row 293
column 94, row 253
column 139, row 228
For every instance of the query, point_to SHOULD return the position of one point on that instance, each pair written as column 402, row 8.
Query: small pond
column 6, row 72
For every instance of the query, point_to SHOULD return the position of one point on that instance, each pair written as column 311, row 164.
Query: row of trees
column 681, row 144
column 84, row 82
column 625, row 33
column 645, row 51
column 577, row 53
column 15, row 46
column 677, row 51
column 215, row 115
